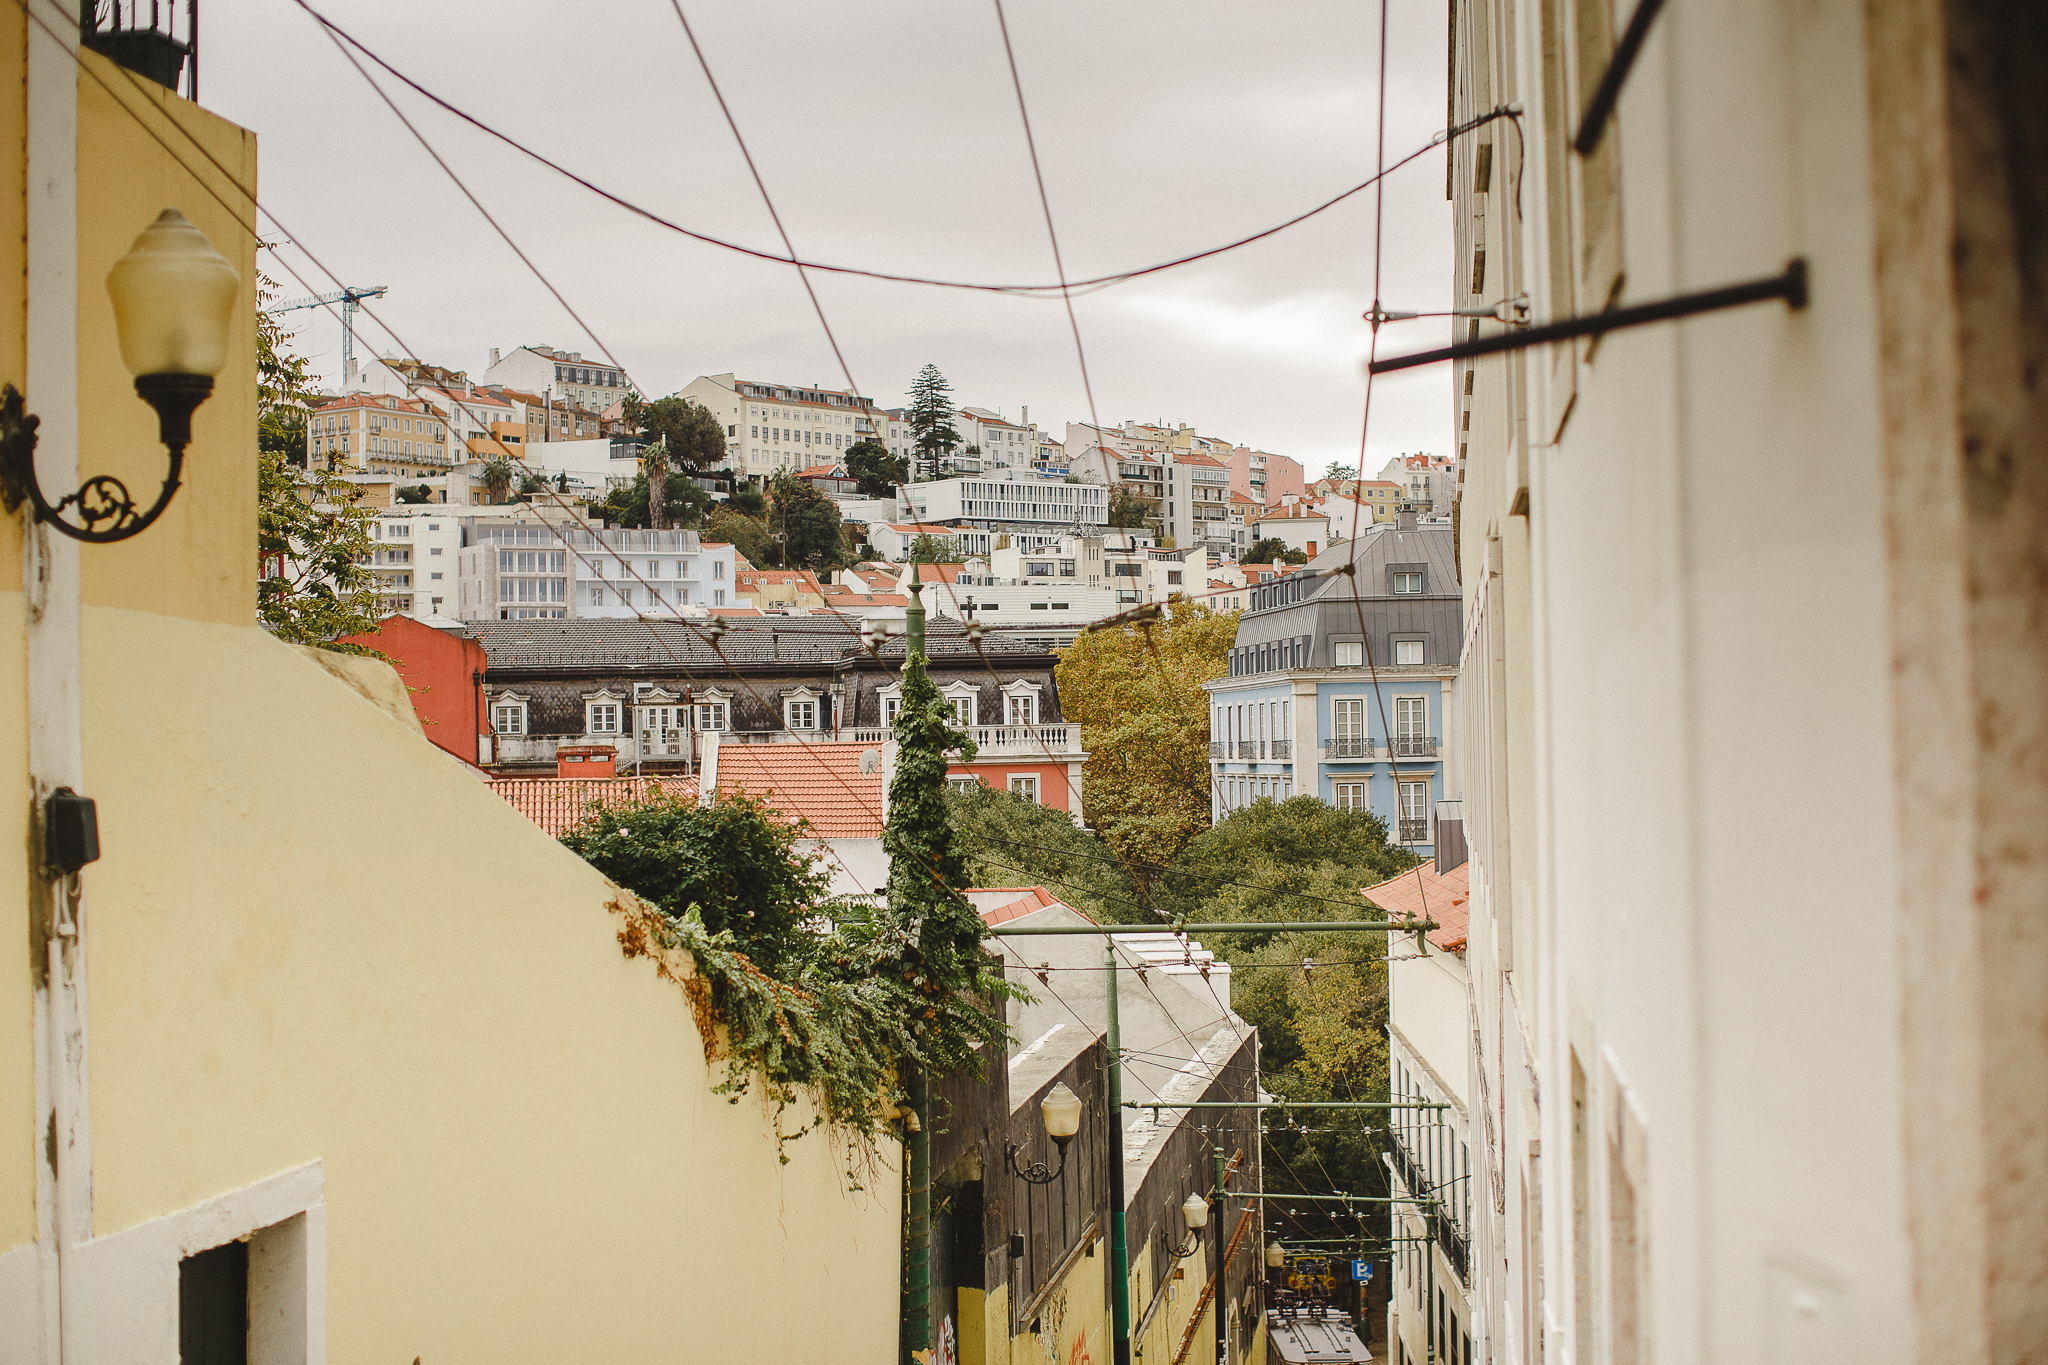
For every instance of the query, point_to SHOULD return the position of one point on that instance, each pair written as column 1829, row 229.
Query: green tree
column 807, row 522
column 931, row 419
column 1339, row 470
column 879, row 472
column 531, row 484
column 313, row 545
column 415, row 493
column 626, row 504
column 1127, row 509
column 284, row 384
column 1008, row 841
column 749, row 501
column 926, row 548
column 732, row 864
column 1137, row 694
column 312, row 533
column 694, row 437
column 498, row 474
column 749, row 535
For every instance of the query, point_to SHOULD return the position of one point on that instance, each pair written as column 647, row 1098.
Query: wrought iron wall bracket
column 103, row 506
column 1790, row 286
column 1037, row 1173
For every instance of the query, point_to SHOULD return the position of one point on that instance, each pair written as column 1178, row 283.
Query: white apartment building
column 770, row 427
column 1019, row 502
column 1003, row 444
column 415, row 550
column 478, row 418
column 1755, row 1079
column 1430, row 479
column 564, row 375
column 520, row 572
column 1120, row 562
column 1197, row 511
column 1052, row 614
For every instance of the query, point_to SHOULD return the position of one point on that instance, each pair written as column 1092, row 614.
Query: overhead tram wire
column 1044, row 291
column 230, row 178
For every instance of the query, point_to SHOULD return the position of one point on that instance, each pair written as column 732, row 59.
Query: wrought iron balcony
column 1248, row 749
column 1353, row 747
column 159, row 40
column 1415, row 746
column 1414, row 831
column 1282, row 748
column 1216, row 747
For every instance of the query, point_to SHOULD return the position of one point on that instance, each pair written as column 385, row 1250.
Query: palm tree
column 498, row 475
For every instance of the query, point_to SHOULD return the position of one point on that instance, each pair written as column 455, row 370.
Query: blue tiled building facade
column 1341, row 685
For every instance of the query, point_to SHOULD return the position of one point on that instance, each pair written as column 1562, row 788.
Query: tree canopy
column 1008, row 841
column 626, row 504
column 931, row 418
column 690, row 432
column 312, row 531
column 926, row 548
column 1137, row 694
column 749, row 535
column 879, row 473
column 1127, row 509
column 808, row 523
column 732, row 864
column 1271, row 550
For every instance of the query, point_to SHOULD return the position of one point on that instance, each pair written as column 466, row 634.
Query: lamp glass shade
column 1276, row 1255
column 174, row 300
column 1062, row 1110
column 1196, row 1211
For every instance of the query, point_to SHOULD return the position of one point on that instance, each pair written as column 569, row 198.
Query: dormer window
column 508, row 714
column 800, row 711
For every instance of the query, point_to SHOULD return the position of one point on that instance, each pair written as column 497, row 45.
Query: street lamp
column 1061, row 1111
column 174, row 303
column 1195, row 1213
column 1276, row 1255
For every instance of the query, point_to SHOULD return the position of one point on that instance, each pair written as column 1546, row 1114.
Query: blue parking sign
column 1361, row 1271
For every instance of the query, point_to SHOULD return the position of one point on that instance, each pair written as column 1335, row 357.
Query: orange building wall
column 444, row 675
column 1053, row 787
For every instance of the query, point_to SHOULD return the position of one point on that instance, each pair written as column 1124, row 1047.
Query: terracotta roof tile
column 819, row 782
column 1420, row 892
column 558, row 803
column 1001, row 904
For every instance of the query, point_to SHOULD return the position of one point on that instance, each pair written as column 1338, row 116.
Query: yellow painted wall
column 184, row 565
column 313, row 936
column 1074, row 1319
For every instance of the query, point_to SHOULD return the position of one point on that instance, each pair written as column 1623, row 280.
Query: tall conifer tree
column 931, row 419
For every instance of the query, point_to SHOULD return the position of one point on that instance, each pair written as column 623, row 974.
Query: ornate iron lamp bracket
column 103, row 506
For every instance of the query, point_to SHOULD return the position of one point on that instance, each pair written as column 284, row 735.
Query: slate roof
column 820, row 782
column 767, row 642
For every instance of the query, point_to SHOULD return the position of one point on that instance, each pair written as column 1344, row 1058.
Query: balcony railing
column 1351, row 748
column 159, row 40
column 1282, row 748
column 1415, row 746
column 1450, row 1238
column 1248, row 749
column 1414, row 831
column 1216, row 747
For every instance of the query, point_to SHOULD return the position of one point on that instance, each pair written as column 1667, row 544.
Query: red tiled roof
column 819, row 782
column 558, row 803
column 1029, row 900
column 1421, row 893
column 934, row 573
column 918, row 528
column 736, row 611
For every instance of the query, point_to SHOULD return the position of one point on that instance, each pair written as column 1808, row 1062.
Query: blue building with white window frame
column 1341, row 684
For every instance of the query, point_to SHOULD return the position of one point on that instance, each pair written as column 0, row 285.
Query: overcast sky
column 888, row 134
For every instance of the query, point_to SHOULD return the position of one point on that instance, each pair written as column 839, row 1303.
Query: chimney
column 586, row 760
column 494, row 356
column 1404, row 520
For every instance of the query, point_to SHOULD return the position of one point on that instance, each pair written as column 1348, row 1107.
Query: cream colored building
column 378, row 434
column 1756, row 683
column 769, row 427
column 423, row 1081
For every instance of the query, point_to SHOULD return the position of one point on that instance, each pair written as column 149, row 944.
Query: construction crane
column 350, row 300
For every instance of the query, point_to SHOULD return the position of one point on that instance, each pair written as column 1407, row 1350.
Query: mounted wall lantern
column 174, row 303
column 1061, row 1111
column 1276, row 1255
column 1195, row 1213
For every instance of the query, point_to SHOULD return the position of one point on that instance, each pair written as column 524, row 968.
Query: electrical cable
column 1047, row 291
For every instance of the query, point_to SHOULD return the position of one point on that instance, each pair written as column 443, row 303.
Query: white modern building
column 1027, row 507
column 562, row 375
column 531, row 571
column 415, row 550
